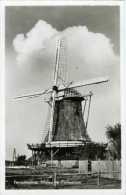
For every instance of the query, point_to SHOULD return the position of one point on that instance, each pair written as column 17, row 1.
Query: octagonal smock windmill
column 67, row 129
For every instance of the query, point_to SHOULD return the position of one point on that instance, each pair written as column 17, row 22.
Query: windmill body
column 68, row 122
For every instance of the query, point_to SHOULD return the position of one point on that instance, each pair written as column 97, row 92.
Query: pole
column 14, row 156
column 32, row 158
column 98, row 180
column 54, row 179
column 51, row 157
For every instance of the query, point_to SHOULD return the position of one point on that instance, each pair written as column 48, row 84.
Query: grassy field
column 48, row 178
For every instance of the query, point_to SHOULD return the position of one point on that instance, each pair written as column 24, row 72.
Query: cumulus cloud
column 31, row 44
column 85, row 49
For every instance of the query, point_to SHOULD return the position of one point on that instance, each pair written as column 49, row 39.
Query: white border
column 123, row 90
column 5, row 3
column 2, row 97
column 59, row 2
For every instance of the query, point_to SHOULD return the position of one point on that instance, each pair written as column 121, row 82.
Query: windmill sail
column 85, row 83
column 54, row 91
column 35, row 94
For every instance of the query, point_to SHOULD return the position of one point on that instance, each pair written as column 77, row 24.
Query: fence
column 107, row 168
column 89, row 174
column 63, row 180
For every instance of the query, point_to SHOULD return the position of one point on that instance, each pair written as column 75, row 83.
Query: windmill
column 67, row 134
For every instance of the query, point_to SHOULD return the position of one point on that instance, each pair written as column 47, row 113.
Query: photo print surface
column 62, row 72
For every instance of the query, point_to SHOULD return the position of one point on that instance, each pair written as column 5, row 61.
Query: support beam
column 88, row 110
column 51, row 157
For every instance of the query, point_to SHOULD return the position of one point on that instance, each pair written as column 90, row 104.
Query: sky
column 91, row 35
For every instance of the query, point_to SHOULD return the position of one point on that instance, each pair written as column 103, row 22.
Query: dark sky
column 103, row 19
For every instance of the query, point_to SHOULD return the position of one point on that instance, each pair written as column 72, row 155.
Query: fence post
column 98, row 180
column 54, row 181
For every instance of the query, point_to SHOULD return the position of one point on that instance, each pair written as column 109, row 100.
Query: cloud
column 88, row 53
column 30, row 45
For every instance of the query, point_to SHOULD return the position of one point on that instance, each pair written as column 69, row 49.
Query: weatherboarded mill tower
column 68, row 119
column 67, row 137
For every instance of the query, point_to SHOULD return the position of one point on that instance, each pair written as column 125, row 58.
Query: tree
column 21, row 160
column 114, row 144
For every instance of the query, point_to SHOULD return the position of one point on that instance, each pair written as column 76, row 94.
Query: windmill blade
column 35, row 94
column 84, row 83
